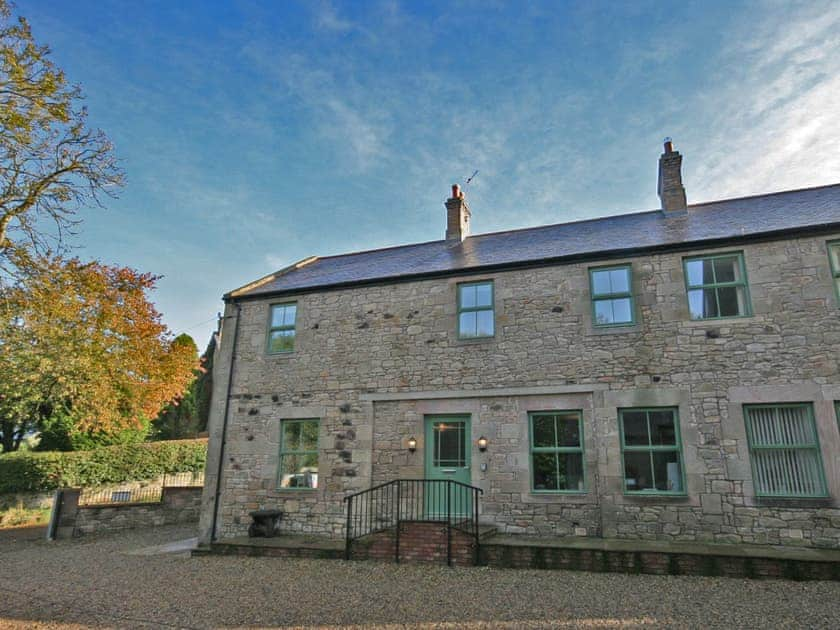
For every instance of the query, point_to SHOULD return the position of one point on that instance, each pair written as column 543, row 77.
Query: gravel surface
column 96, row 582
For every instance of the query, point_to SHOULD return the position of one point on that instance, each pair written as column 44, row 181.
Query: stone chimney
column 457, row 216
column 671, row 190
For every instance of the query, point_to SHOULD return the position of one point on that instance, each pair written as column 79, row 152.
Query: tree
column 82, row 340
column 51, row 163
column 187, row 416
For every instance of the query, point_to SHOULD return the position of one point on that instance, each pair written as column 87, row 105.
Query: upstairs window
column 651, row 451
column 784, row 451
column 476, row 316
column 612, row 298
column 834, row 257
column 717, row 286
column 281, row 328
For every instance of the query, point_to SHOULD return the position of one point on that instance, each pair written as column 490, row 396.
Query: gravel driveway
column 96, row 582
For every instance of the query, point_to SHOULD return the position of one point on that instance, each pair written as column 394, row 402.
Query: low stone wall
column 178, row 505
column 419, row 543
column 657, row 562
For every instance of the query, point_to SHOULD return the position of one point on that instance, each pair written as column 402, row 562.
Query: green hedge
column 36, row 472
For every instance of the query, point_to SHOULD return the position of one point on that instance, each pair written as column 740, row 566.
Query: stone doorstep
column 799, row 554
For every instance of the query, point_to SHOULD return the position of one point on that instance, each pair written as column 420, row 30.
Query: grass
column 20, row 516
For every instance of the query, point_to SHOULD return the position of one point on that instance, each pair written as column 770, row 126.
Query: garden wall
column 177, row 505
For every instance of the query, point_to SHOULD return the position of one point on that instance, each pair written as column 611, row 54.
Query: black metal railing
column 390, row 504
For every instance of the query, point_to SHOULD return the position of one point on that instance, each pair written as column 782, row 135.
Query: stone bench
column 266, row 523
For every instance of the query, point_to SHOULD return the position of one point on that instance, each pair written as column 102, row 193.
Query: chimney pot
column 669, row 146
column 456, row 191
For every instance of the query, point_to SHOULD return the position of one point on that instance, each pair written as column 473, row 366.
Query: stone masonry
column 371, row 361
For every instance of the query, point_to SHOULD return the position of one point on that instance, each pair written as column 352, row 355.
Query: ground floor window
column 651, row 451
column 784, row 451
column 557, row 451
column 298, row 454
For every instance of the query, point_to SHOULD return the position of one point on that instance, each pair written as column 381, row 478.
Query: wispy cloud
column 773, row 106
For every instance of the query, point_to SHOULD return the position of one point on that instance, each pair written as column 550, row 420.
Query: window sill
column 295, row 491
column 469, row 341
column 559, row 493
column 719, row 321
column 657, row 496
column 628, row 329
column 280, row 355
column 794, row 502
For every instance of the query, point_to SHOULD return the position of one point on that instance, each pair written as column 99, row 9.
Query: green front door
column 447, row 448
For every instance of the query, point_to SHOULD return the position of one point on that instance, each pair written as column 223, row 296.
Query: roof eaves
column 247, row 288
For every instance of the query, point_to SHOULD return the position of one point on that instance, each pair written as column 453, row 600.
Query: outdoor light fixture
column 412, row 444
column 482, row 444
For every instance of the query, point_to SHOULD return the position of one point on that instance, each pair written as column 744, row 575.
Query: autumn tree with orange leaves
column 83, row 339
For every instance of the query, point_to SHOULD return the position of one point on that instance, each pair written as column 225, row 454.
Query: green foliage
column 61, row 433
column 187, row 416
column 36, row 472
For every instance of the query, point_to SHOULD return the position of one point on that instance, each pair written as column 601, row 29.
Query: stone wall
column 178, row 505
column 371, row 362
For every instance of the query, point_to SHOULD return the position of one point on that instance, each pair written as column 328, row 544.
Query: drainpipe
column 224, row 427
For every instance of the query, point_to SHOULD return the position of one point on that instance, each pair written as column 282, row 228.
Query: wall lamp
column 482, row 443
column 412, row 444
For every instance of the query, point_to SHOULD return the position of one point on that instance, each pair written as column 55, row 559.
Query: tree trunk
column 10, row 437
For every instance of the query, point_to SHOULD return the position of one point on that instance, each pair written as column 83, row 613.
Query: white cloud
column 775, row 108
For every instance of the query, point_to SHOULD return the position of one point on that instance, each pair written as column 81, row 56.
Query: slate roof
column 727, row 220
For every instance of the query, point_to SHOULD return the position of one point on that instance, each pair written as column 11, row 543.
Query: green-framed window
column 476, row 314
column 612, row 296
column 651, row 451
column 298, row 467
column 557, row 463
column 717, row 286
column 281, row 327
column 784, row 450
column 834, row 258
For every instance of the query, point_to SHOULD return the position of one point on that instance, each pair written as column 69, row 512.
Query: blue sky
column 256, row 134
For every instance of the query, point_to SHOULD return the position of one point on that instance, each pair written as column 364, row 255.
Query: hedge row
column 36, row 472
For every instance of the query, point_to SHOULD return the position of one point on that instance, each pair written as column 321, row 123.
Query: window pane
column 603, row 312
column 450, row 449
column 298, row 471
column 635, row 428
column 485, row 324
column 637, row 471
column 601, row 282
column 289, row 314
column 620, row 281
column 621, row 311
column 570, row 467
column 702, row 303
column 281, row 341
column 666, row 471
column 468, row 295
column 731, row 301
column 309, row 435
column 568, row 430
column 467, row 324
column 726, row 269
column 484, row 294
column 291, row 436
column 277, row 313
column 543, row 428
column 544, row 466
column 662, row 429
column 699, row 272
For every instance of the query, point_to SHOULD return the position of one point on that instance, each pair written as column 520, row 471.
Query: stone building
column 663, row 375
